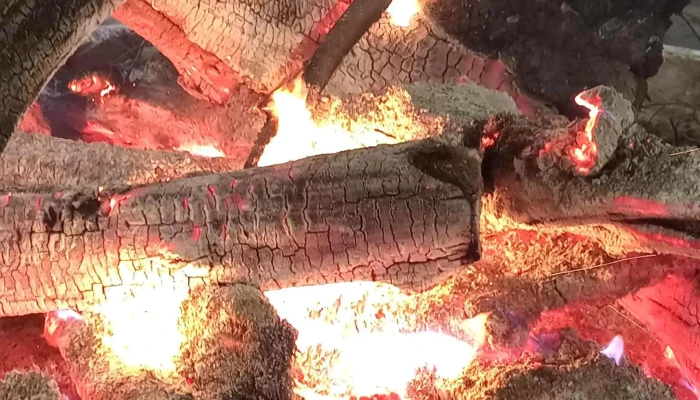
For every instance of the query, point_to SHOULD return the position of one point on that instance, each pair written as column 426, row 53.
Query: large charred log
column 405, row 214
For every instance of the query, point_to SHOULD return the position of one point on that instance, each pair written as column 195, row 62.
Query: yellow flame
column 401, row 12
column 208, row 151
column 142, row 328
column 380, row 359
column 299, row 136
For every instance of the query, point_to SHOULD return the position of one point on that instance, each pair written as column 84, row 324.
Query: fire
column 615, row 350
column 208, row 151
column 92, row 85
column 401, row 12
column 142, row 330
column 584, row 153
column 363, row 349
column 367, row 360
column 299, row 136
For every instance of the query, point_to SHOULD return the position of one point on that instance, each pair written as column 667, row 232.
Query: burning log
column 228, row 343
column 344, row 35
column 58, row 27
column 607, row 171
column 202, row 74
column 405, row 214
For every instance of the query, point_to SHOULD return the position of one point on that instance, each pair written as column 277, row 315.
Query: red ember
column 92, row 85
column 585, row 151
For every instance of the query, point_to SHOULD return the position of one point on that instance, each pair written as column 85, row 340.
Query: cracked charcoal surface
column 368, row 214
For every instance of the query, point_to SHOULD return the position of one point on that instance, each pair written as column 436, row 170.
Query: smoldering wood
column 247, row 354
column 37, row 162
column 405, row 214
column 564, row 366
column 637, row 180
column 668, row 310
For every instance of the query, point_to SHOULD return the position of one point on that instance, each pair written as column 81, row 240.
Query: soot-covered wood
column 405, row 214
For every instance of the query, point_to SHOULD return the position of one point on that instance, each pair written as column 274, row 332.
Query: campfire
column 186, row 222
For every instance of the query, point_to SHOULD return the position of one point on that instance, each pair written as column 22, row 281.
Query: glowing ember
column 401, row 12
column 202, row 151
column 615, row 350
column 299, row 136
column 584, row 153
column 92, row 85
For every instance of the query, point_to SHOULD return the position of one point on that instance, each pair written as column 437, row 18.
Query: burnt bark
column 344, row 35
column 35, row 162
column 404, row 214
column 36, row 40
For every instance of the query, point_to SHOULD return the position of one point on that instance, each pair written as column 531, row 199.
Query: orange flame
column 299, row 136
column 585, row 152
column 92, row 85
column 401, row 12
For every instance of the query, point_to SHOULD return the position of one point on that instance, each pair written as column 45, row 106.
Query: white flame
column 615, row 350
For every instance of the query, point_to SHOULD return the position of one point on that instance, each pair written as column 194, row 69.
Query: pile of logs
column 495, row 215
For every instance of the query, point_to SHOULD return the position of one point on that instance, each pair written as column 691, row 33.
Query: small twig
column 603, row 265
column 675, row 131
column 633, row 322
column 685, row 152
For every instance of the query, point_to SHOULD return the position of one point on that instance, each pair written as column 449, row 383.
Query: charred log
column 344, row 35
column 37, row 40
column 35, row 162
column 405, row 214
column 606, row 171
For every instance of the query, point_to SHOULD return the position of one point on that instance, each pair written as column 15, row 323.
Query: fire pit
column 342, row 217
